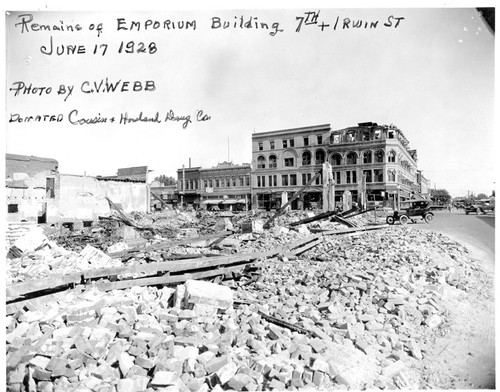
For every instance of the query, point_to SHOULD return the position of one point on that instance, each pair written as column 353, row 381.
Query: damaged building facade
column 37, row 192
column 222, row 187
column 371, row 164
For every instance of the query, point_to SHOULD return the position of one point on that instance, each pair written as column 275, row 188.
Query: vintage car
column 481, row 206
column 410, row 210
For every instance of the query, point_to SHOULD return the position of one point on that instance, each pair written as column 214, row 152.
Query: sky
column 431, row 75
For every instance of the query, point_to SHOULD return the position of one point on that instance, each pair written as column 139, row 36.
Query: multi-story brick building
column 369, row 159
column 225, row 186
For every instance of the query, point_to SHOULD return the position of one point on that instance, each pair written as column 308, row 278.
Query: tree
column 440, row 196
column 166, row 180
column 482, row 196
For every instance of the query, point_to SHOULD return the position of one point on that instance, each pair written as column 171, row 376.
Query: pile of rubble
column 352, row 312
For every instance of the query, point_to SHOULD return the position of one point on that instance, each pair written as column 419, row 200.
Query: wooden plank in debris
column 167, row 279
column 355, row 229
column 167, row 244
column 17, row 290
column 318, row 217
column 343, row 221
column 306, row 247
column 182, row 265
column 39, row 302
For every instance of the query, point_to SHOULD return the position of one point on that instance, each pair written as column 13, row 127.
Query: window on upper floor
column 320, row 157
column 351, row 136
column 352, row 158
column 368, row 175
column 335, row 138
column 284, row 180
column 271, row 144
column 367, row 157
column 336, row 160
column 261, row 162
column 320, row 139
column 285, row 143
column 391, row 157
column 288, row 162
column 261, row 146
column 293, row 179
column 292, row 142
column 379, row 156
column 378, row 175
column 306, row 141
column 306, row 158
column 272, row 161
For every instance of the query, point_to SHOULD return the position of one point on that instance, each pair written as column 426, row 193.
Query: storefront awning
column 229, row 201
column 211, row 201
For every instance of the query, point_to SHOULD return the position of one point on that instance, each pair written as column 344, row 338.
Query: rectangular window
column 319, row 180
column 284, row 180
column 259, row 183
column 289, row 162
column 217, row 183
column 271, row 144
column 285, row 143
column 336, row 177
column 275, row 180
column 228, row 182
column 292, row 143
column 234, row 181
column 270, row 180
column 368, row 174
column 378, row 175
column 210, row 183
column 12, row 208
column 263, row 181
column 304, row 179
column 350, row 177
column 306, row 141
column 242, row 182
column 205, row 183
column 320, row 139
column 261, row 146
column 293, row 179
column 247, row 180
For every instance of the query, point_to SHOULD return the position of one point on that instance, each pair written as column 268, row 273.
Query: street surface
column 477, row 232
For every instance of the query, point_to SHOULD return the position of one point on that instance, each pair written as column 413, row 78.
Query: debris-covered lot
column 200, row 301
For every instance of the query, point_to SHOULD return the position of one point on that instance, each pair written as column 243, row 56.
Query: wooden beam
column 17, row 290
column 166, row 279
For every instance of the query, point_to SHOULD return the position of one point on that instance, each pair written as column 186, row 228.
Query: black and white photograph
column 249, row 197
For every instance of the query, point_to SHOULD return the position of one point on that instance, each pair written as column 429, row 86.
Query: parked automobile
column 481, row 206
column 410, row 210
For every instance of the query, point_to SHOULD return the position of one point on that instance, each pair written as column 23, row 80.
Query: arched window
column 352, row 158
column 379, row 156
column 336, row 160
column 320, row 157
column 391, row 175
column 261, row 162
column 351, row 136
column 391, row 157
column 306, row 158
column 366, row 135
column 289, row 159
column 367, row 157
column 272, row 161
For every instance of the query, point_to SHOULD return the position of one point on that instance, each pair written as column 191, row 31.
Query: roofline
column 292, row 130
